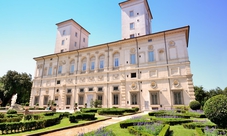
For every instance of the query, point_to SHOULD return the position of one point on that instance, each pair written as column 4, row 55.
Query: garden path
column 84, row 129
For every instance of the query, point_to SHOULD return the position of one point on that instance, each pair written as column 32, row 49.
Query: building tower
column 70, row 36
column 135, row 18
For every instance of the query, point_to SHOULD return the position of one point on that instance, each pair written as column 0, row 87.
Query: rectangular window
column 62, row 50
column 50, row 71
column 92, row 65
column 100, row 89
column 83, row 39
column 69, row 90
column 132, row 26
column 132, row 58
column 63, row 32
column 72, row 68
column 131, row 13
column 36, row 100
column 81, row 100
column 115, row 88
column 134, row 99
column 177, row 98
column 115, row 99
column 133, row 75
column 75, row 44
column 62, row 42
column 59, row 69
column 116, row 62
column 84, row 67
column 68, row 100
column 76, row 34
column 45, row 100
column 90, row 89
column 58, row 82
column 81, row 90
column 101, row 64
column 132, row 36
column 151, row 56
column 100, row 98
column 154, row 98
column 56, row 99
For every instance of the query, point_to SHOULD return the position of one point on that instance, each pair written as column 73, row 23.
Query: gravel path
column 84, row 129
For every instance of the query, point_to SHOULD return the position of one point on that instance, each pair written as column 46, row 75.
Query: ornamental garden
column 182, row 120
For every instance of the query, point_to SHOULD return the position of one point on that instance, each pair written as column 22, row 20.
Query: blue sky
column 28, row 30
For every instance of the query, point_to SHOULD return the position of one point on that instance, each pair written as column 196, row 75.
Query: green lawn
column 64, row 123
column 179, row 130
column 118, row 130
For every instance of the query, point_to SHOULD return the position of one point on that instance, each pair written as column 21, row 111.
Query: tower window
column 63, row 33
column 62, row 42
column 83, row 39
column 76, row 34
column 132, row 26
column 132, row 36
column 75, row 44
column 131, row 13
column 133, row 75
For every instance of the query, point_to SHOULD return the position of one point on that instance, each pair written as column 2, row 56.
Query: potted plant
column 85, row 105
column 54, row 107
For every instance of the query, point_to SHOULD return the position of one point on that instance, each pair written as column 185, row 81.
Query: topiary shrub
column 11, row 111
column 215, row 109
column 194, row 105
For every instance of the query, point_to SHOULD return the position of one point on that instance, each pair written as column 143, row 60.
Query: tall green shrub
column 215, row 109
column 194, row 105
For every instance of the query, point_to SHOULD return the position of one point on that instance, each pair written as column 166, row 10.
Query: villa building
column 144, row 69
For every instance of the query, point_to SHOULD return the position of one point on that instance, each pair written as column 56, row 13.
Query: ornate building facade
column 144, row 69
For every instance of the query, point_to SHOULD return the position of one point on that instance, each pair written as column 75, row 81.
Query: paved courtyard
column 84, row 129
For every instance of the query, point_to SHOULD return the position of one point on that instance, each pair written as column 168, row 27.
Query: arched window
column 50, row 69
column 116, row 57
column 150, row 53
column 92, row 61
column 84, row 61
column 161, row 55
column 101, row 62
column 72, row 67
column 133, row 56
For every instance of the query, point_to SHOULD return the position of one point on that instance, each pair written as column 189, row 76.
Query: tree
column 14, row 82
column 215, row 109
column 200, row 95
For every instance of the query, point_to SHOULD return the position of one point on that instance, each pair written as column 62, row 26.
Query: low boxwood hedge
column 111, row 111
column 193, row 125
column 14, row 127
column 93, row 110
column 82, row 116
column 171, row 121
column 199, row 132
column 134, row 123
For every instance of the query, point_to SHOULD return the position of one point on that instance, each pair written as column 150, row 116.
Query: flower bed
column 138, row 120
column 149, row 130
column 99, row 132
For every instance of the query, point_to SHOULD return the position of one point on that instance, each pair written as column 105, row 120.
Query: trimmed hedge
column 171, row 121
column 73, row 119
column 82, row 116
column 2, row 115
column 195, row 105
column 90, row 110
column 111, row 111
column 11, row 111
column 134, row 123
column 193, row 125
column 49, row 113
column 14, row 127
column 164, row 131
